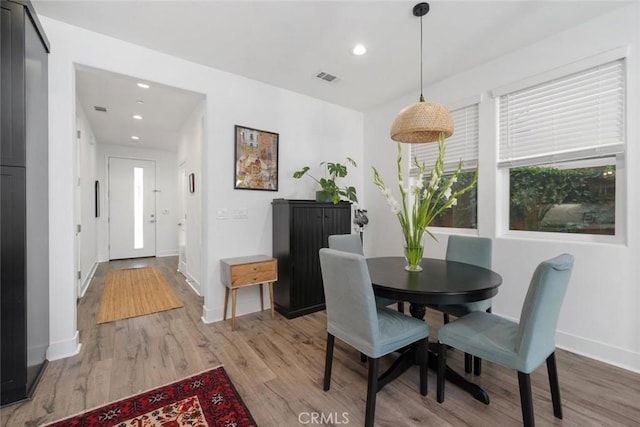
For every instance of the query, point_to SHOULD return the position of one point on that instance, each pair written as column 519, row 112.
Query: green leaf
column 300, row 173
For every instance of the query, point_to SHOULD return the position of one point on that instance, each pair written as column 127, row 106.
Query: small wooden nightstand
column 247, row 271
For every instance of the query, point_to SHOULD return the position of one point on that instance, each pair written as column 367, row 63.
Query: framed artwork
column 256, row 156
column 192, row 183
column 97, row 195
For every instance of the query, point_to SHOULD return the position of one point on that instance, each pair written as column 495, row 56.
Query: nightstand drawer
column 241, row 270
column 252, row 278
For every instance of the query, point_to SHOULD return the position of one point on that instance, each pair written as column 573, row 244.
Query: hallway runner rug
column 135, row 292
column 207, row 399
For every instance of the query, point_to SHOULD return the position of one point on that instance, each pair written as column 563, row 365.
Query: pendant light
column 422, row 121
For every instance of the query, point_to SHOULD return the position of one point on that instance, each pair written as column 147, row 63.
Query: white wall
column 89, row 222
column 600, row 316
column 310, row 131
column 190, row 159
column 166, row 196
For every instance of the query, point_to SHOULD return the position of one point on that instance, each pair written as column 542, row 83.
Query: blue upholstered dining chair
column 521, row 346
column 352, row 243
column 469, row 250
column 353, row 317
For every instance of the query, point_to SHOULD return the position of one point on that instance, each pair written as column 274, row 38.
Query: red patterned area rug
column 205, row 400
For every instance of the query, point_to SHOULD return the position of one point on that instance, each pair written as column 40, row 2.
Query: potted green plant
column 331, row 191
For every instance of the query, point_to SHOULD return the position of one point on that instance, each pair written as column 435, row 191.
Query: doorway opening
column 131, row 141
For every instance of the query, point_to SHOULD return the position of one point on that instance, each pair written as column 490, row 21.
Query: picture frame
column 192, row 183
column 256, row 159
column 97, row 196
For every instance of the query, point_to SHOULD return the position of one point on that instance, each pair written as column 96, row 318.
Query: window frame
column 619, row 158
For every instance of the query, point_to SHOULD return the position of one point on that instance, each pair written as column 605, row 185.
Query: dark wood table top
column 440, row 281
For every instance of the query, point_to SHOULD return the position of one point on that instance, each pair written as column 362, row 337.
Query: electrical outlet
column 222, row 213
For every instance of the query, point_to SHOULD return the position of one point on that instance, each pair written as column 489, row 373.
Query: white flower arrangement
column 428, row 201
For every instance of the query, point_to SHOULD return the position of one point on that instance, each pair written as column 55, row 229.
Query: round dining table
column 440, row 282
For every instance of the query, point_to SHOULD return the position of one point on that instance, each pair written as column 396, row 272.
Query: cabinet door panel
column 12, row 106
column 12, row 279
column 307, row 239
column 336, row 221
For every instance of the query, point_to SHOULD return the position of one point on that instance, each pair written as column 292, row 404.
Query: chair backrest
column 470, row 250
column 349, row 298
column 346, row 243
column 541, row 309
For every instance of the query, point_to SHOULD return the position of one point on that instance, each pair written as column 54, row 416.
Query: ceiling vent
column 327, row 77
column 101, row 109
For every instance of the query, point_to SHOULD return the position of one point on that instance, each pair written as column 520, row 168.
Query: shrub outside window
column 557, row 198
column 465, row 213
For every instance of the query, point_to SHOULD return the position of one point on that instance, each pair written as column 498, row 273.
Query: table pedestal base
column 408, row 358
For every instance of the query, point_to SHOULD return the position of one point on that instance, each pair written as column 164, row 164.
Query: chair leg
column 401, row 306
column 477, row 362
column 442, row 356
column 328, row 361
column 477, row 366
column 554, row 385
column 524, row 380
column 424, row 365
column 445, row 317
column 467, row 362
column 372, row 389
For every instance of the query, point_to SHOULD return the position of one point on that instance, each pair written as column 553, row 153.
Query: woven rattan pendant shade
column 422, row 122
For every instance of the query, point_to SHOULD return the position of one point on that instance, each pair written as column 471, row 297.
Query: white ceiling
column 286, row 43
column 164, row 109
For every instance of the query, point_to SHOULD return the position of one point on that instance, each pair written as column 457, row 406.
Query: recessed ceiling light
column 135, row 138
column 359, row 50
column 140, row 101
column 143, row 85
column 137, row 117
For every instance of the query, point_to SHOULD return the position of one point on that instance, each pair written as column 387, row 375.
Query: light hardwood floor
column 277, row 367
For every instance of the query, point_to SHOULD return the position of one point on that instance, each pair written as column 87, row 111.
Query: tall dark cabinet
column 24, row 209
column 300, row 229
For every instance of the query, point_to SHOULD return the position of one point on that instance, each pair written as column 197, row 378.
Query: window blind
column 462, row 145
column 578, row 116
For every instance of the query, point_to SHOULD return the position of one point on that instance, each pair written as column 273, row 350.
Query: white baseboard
column 193, row 283
column 242, row 308
column 211, row 315
column 87, row 280
column 607, row 353
column 62, row 349
column 603, row 352
column 161, row 254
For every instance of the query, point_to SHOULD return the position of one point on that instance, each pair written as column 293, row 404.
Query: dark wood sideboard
column 300, row 229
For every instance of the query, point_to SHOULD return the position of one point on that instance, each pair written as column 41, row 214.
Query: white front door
column 132, row 208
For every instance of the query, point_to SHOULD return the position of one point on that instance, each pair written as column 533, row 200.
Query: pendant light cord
column 421, row 97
